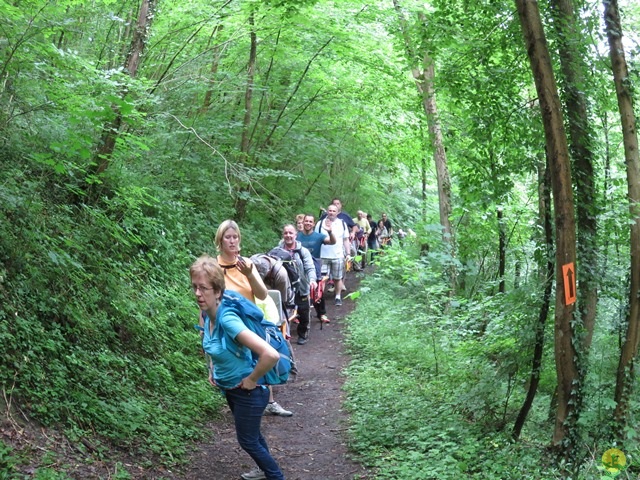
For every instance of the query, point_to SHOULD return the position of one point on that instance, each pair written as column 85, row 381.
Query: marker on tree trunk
column 569, row 277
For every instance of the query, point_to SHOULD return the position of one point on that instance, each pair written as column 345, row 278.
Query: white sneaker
column 255, row 474
column 275, row 409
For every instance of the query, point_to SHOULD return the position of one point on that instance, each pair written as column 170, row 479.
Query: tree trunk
column 626, row 366
column 544, row 202
column 112, row 129
column 424, row 162
column 569, row 391
column 573, row 68
column 439, row 154
column 217, row 54
column 424, row 76
column 502, row 250
column 241, row 200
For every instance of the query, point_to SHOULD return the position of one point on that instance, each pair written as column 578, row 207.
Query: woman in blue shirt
column 236, row 375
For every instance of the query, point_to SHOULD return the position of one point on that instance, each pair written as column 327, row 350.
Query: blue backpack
column 254, row 319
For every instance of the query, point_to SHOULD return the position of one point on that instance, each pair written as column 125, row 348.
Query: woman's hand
column 248, row 384
column 244, row 266
column 267, row 357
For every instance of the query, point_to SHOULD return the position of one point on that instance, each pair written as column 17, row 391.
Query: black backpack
column 289, row 263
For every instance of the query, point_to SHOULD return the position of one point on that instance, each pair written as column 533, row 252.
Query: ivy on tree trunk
column 626, row 366
column 569, row 389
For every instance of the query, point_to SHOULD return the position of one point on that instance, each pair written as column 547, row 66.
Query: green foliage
column 95, row 316
column 402, row 382
column 96, row 319
column 52, row 474
column 7, row 462
column 435, row 383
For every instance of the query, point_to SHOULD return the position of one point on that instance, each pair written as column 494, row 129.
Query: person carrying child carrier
column 241, row 276
column 307, row 273
column 275, row 277
column 236, row 376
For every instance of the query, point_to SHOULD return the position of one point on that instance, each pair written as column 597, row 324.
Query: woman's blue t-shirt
column 229, row 367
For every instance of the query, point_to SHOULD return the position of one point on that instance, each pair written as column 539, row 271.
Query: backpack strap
column 296, row 253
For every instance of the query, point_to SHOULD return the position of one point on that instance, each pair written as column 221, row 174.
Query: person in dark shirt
column 372, row 240
column 388, row 226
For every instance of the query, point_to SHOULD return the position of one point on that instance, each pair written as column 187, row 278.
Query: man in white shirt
column 333, row 256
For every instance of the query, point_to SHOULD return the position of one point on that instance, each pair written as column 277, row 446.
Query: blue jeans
column 247, row 407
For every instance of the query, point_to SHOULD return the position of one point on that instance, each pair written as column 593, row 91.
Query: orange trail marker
column 569, row 277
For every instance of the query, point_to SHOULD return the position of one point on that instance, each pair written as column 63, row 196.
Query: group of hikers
column 311, row 255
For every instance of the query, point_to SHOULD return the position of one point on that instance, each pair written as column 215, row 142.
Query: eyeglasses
column 195, row 288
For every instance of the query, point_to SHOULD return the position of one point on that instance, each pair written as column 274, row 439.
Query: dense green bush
column 96, row 316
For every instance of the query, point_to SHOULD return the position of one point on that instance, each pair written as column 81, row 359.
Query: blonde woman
column 242, row 276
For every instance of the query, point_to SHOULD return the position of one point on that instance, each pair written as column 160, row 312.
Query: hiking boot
column 255, row 474
column 302, row 339
column 338, row 302
column 324, row 319
column 275, row 409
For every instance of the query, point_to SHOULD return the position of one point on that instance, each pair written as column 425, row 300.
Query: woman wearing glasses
column 236, row 376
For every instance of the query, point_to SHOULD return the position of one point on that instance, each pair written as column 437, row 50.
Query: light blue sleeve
column 232, row 324
column 230, row 363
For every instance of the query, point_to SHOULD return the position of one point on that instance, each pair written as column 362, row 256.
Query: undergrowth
column 435, row 383
column 96, row 324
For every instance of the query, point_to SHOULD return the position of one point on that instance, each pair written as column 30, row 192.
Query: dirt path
column 311, row 444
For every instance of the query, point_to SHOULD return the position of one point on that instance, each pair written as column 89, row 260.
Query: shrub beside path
column 310, row 445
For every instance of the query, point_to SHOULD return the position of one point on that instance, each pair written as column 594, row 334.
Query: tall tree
column 241, row 200
column 626, row 366
column 213, row 71
column 131, row 64
column 580, row 134
column 423, row 71
column 546, row 268
column 569, row 391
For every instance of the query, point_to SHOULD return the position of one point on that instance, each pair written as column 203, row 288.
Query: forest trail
column 310, row 445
